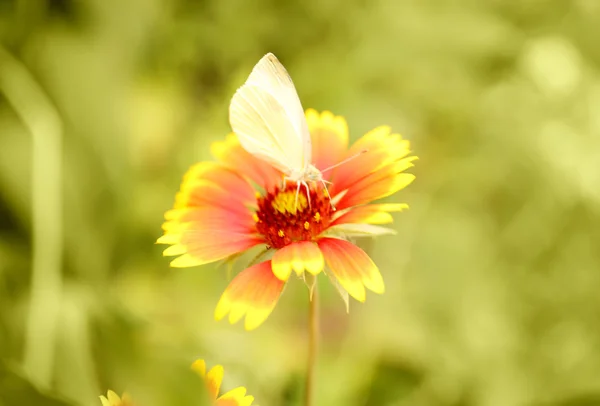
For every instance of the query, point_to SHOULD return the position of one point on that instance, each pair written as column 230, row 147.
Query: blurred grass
column 492, row 282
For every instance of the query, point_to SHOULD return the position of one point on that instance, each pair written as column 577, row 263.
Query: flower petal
column 378, row 168
column 203, row 247
column 113, row 398
column 213, row 218
column 358, row 230
column 386, row 181
column 329, row 136
column 210, row 219
column 199, row 366
column 371, row 214
column 352, row 267
column 212, row 183
column 298, row 256
column 231, row 153
column 235, row 397
column 126, row 400
column 254, row 292
column 213, row 380
column 204, row 193
column 206, row 235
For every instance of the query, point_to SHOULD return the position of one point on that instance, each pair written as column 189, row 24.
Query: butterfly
column 266, row 115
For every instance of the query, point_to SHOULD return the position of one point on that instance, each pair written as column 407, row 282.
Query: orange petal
column 382, row 182
column 212, row 218
column 366, row 192
column 203, row 247
column 232, row 154
column 298, row 256
column 371, row 214
column 383, row 149
column 213, row 183
column 213, row 380
column 207, row 235
column 235, row 397
column 254, row 293
column 329, row 136
column 204, row 193
column 352, row 267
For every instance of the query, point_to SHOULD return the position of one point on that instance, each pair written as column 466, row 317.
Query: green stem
column 313, row 340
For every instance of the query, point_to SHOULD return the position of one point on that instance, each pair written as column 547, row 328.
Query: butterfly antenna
column 324, row 182
column 345, row 160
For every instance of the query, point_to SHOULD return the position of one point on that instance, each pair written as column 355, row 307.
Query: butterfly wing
column 267, row 116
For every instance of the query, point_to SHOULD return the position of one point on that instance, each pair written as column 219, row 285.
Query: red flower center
column 285, row 216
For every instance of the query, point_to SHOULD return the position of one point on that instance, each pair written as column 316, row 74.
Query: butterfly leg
column 297, row 193
column 324, row 182
column 307, row 193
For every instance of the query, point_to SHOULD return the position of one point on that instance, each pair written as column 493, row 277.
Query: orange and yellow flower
column 112, row 399
column 213, row 379
column 226, row 207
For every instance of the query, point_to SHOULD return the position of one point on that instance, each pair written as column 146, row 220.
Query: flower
column 112, row 399
column 213, row 379
column 226, row 207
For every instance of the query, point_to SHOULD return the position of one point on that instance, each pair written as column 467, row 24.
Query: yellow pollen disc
column 317, row 217
column 281, row 233
column 255, row 217
column 306, row 225
column 257, row 195
column 285, row 202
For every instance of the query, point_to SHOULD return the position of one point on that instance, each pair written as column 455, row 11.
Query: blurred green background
column 492, row 282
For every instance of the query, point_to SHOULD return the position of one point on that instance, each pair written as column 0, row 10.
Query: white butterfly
column 268, row 118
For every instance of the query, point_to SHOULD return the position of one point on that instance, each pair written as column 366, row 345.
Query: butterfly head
column 312, row 174
column 308, row 174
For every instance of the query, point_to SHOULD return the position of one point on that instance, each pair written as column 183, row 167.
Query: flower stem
column 313, row 339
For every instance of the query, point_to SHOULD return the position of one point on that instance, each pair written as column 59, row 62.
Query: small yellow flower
column 213, row 379
column 112, row 399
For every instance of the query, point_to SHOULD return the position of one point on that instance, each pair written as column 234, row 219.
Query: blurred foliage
column 16, row 390
column 492, row 283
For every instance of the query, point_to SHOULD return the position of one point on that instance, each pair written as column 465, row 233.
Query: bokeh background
column 493, row 281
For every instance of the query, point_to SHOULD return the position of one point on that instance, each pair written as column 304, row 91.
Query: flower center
column 285, row 215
